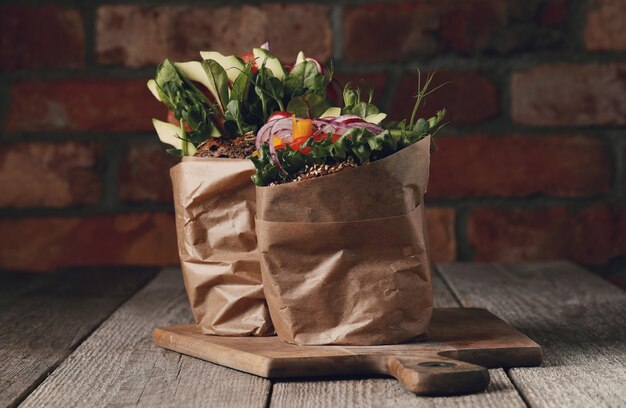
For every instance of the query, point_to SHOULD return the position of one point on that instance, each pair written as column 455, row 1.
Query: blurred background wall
column 531, row 166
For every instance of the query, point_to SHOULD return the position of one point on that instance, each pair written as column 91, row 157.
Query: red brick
column 469, row 25
column 591, row 236
column 106, row 105
column 145, row 174
column 564, row 94
column 44, row 174
column 49, row 243
column 390, row 32
column 41, row 37
column 553, row 13
column 519, row 166
column 441, row 237
column 597, row 234
column 180, row 33
column 467, row 97
column 606, row 25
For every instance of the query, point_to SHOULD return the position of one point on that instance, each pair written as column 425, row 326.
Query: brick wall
column 531, row 166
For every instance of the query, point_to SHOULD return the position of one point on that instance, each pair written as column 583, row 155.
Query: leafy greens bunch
column 360, row 144
column 239, row 95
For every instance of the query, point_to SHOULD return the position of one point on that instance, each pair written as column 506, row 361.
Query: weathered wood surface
column 578, row 318
column 44, row 317
column 383, row 392
column 16, row 284
column 119, row 366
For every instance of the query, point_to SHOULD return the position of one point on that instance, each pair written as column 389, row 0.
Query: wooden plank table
column 82, row 339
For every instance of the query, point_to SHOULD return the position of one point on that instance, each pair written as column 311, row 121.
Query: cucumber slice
column 231, row 64
column 194, row 72
column 331, row 112
column 376, row 119
column 300, row 58
column 170, row 134
column 263, row 57
column 152, row 86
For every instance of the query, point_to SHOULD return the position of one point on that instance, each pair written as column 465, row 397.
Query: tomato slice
column 249, row 57
column 297, row 143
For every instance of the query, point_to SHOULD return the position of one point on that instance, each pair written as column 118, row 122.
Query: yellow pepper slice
column 277, row 142
column 301, row 127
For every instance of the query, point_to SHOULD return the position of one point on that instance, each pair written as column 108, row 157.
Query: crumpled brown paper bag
column 344, row 257
column 214, row 201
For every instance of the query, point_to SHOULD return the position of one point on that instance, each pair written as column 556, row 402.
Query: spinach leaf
column 233, row 116
column 270, row 91
column 235, row 123
column 274, row 88
column 218, row 80
column 241, row 84
column 305, row 78
column 308, row 106
column 172, row 86
column 187, row 102
column 421, row 126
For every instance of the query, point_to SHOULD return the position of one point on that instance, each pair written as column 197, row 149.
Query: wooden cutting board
column 462, row 344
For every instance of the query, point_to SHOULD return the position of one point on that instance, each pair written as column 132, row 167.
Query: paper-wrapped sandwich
column 216, row 107
column 340, row 224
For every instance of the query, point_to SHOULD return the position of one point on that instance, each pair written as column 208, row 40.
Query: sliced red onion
column 265, row 46
column 268, row 130
column 262, row 135
column 335, row 126
column 283, row 129
column 349, row 118
column 286, row 135
column 328, row 126
column 375, row 129
column 319, row 66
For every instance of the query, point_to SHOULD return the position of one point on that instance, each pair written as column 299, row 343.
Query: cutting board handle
column 439, row 375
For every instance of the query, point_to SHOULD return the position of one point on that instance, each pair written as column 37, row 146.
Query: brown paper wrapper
column 343, row 256
column 215, row 205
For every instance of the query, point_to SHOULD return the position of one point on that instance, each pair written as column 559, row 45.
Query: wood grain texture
column 442, row 296
column 119, row 366
column 44, row 317
column 472, row 335
column 384, row 392
column 578, row 318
